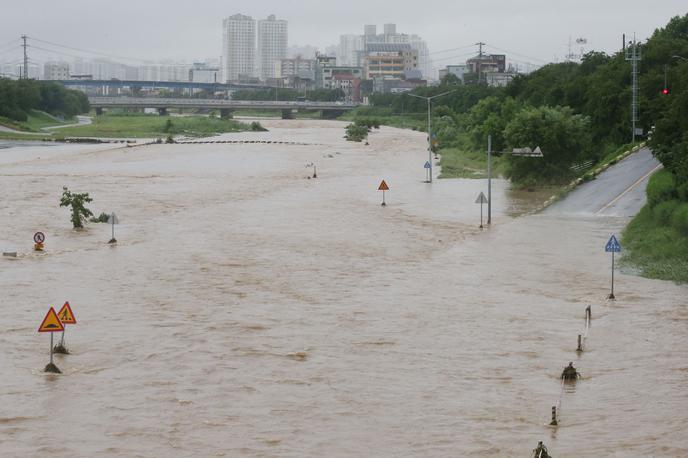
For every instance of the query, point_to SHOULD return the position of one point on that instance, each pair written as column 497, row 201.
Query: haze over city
column 159, row 29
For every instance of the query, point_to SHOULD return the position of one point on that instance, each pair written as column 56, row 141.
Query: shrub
column 102, row 218
column 356, row 133
column 257, row 127
column 664, row 211
column 680, row 218
column 79, row 210
column 661, row 187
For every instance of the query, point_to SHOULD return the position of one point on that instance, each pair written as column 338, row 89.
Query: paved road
column 618, row 191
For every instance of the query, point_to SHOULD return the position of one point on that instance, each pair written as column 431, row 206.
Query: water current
column 248, row 310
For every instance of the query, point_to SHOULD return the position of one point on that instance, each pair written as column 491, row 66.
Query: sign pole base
column 611, row 297
column 113, row 240
column 52, row 368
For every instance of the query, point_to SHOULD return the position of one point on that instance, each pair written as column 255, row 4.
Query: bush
column 257, row 127
column 76, row 201
column 680, row 218
column 102, row 218
column 356, row 133
column 664, row 211
column 661, row 187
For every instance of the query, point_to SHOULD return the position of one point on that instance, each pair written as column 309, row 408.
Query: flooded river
column 250, row 311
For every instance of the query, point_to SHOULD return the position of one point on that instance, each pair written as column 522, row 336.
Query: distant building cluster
column 258, row 52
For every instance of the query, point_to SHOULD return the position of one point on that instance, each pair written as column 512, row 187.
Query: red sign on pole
column 66, row 315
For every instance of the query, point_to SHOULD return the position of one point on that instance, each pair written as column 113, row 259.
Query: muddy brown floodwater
column 250, row 311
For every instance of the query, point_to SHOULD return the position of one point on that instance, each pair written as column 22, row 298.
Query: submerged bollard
column 580, row 346
column 588, row 312
column 554, row 416
column 315, row 175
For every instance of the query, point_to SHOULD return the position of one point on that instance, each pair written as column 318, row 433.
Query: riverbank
column 655, row 242
column 114, row 125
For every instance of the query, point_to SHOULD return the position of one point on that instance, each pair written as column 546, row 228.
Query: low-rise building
column 389, row 60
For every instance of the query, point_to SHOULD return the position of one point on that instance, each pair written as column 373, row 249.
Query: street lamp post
column 429, row 100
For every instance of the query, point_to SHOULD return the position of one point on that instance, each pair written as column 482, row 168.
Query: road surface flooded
column 248, row 310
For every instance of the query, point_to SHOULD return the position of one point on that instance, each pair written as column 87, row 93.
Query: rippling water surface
column 248, row 310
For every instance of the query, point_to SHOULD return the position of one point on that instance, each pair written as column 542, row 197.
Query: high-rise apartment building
column 238, row 47
column 350, row 50
column 272, row 45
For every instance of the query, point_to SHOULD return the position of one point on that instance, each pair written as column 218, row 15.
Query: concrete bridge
column 225, row 107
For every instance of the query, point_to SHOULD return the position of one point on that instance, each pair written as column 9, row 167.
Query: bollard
column 588, row 312
column 315, row 175
column 554, row 416
column 580, row 346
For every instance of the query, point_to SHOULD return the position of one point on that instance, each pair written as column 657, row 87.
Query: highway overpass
column 172, row 85
column 225, row 107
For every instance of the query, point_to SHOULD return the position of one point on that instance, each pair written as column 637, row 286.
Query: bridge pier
column 162, row 111
column 288, row 114
column 99, row 111
column 226, row 113
column 331, row 114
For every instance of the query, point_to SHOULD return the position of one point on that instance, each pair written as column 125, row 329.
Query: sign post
column 113, row 220
column 38, row 239
column 383, row 187
column 613, row 246
column 427, row 166
column 66, row 317
column 51, row 323
column 481, row 200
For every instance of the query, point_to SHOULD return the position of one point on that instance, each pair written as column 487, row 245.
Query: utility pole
column 26, row 59
column 480, row 59
column 633, row 55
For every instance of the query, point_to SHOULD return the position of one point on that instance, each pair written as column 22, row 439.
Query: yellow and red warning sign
column 66, row 315
column 51, row 323
column 383, row 186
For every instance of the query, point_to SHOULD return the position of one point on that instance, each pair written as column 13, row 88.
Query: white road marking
column 629, row 189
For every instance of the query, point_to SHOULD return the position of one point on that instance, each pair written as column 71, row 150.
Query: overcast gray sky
column 538, row 30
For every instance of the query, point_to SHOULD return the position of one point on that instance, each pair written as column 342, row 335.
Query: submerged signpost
column 66, row 317
column 51, row 323
column 383, row 187
column 428, row 167
column 113, row 220
column 613, row 246
column 481, row 200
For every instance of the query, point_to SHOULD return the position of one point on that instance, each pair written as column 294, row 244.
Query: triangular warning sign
column 51, row 323
column 66, row 315
column 383, row 186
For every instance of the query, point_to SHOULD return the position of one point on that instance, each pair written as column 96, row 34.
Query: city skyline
column 530, row 31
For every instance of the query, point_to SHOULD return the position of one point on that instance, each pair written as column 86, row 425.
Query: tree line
column 19, row 97
column 575, row 112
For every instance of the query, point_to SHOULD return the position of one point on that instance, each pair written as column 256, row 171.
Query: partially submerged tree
column 77, row 201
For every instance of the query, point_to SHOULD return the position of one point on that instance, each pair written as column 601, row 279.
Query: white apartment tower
column 238, row 47
column 272, row 45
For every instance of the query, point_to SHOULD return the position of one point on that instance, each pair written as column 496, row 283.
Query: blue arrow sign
column 613, row 245
column 427, row 165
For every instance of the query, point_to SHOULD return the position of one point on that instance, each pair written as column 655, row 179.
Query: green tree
column 77, row 201
column 563, row 137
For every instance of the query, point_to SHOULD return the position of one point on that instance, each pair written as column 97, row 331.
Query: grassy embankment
column 35, row 121
column 114, row 125
column 656, row 240
column 456, row 162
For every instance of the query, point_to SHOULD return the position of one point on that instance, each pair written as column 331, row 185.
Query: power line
column 452, row 57
column 451, row 49
column 89, row 51
column 516, row 53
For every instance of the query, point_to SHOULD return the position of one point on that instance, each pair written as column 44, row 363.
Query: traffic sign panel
column 383, row 186
column 481, row 199
column 51, row 323
column 613, row 245
column 427, row 164
column 66, row 315
column 39, row 237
